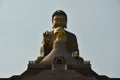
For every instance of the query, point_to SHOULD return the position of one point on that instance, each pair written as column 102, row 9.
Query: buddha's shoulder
column 70, row 33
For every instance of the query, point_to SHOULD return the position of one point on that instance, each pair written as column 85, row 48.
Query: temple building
column 59, row 65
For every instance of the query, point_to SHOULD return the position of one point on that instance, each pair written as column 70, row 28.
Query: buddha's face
column 59, row 21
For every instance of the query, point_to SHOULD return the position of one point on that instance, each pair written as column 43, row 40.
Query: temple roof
column 61, row 75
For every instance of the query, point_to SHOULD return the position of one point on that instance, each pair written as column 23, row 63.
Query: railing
column 32, row 62
column 86, row 62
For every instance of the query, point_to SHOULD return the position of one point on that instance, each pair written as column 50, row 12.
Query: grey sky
column 96, row 24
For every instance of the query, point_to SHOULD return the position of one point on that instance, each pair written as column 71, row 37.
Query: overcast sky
column 96, row 24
